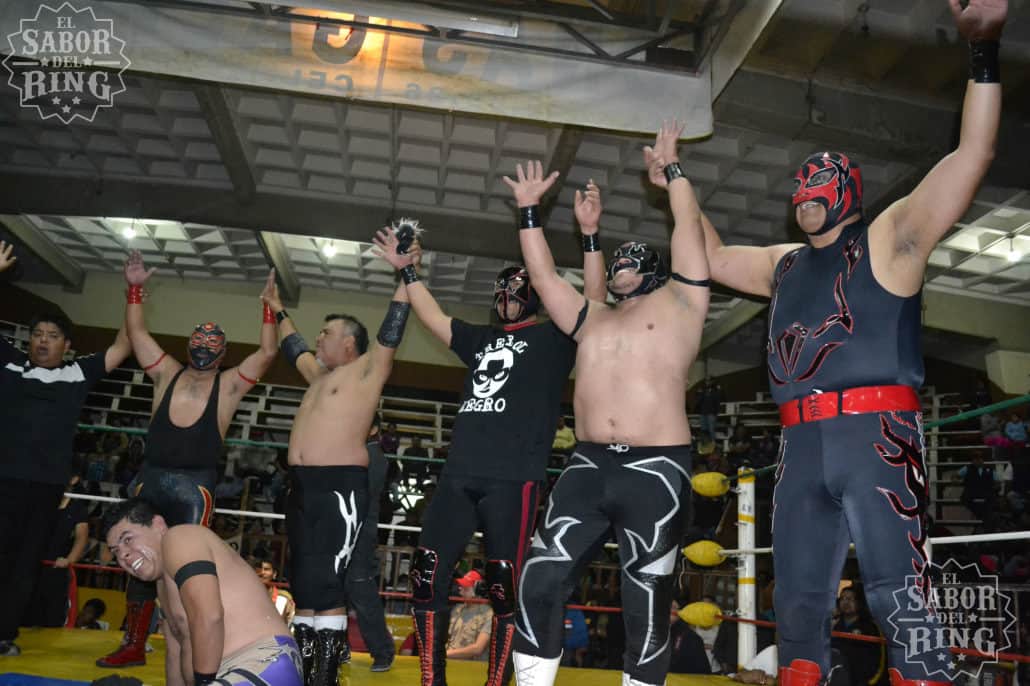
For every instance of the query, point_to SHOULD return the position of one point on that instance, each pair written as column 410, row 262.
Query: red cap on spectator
column 470, row 579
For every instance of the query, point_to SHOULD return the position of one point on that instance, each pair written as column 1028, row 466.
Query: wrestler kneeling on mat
column 221, row 625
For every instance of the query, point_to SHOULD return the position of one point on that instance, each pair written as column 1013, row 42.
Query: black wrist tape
column 529, row 217
column 409, row 275
column 983, row 61
column 293, row 346
column 591, row 243
column 392, row 329
column 202, row 679
column 673, row 170
column 280, row 316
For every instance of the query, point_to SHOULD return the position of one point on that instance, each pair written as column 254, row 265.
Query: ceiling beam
column 564, row 157
column 278, row 256
column 733, row 41
column 72, row 276
column 451, row 231
column 215, row 105
column 734, row 318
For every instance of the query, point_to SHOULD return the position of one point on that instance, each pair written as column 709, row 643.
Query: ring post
column 747, row 638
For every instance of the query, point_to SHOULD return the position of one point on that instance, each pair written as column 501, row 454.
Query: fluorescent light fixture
column 129, row 233
column 411, row 12
column 328, row 249
column 1013, row 254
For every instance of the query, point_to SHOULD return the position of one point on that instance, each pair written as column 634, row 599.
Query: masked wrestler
column 845, row 362
column 192, row 408
column 630, row 469
column 500, row 444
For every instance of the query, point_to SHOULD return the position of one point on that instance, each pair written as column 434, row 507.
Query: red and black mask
column 207, row 346
column 833, row 181
column 512, row 285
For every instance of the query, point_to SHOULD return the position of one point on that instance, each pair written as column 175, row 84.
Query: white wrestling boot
column 531, row 670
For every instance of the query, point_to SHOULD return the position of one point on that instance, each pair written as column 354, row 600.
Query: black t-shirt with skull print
column 509, row 407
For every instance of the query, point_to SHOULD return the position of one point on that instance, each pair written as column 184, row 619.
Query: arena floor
column 61, row 656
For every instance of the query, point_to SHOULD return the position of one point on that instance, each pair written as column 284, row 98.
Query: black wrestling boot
column 304, row 635
column 431, row 634
column 327, row 657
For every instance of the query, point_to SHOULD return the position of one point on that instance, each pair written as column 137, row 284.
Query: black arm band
column 281, row 315
column 409, row 275
column 392, row 329
column 202, row 679
column 673, row 170
column 529, row 217
column 191, row 569
column 703, row 283
column 591, row 243
column 983, row 61
column 293, row 346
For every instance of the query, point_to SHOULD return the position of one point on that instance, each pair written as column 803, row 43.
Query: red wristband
column 269, row 316
column 134, row 295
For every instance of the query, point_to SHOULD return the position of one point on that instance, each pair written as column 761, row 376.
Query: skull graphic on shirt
column 492, row 373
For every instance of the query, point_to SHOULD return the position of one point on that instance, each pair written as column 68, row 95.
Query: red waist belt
column 818, row 406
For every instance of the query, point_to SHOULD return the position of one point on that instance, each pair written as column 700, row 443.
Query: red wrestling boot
column 898, row 680
column 133, row 651
column 801, row 673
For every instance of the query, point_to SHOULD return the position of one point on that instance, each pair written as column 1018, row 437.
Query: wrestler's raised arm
column 391, row 331
column 690, row 274
column 908, row 231
column 562, row 300
column 189, row 560
column 422, row 301
column 240, row 379
column 587, row 208
column 157, row 364
column 294, row 348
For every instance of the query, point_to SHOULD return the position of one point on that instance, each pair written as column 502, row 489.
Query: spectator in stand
column 740, row 448
column 707, row 404
column 577, row 635
column 68, row 540
column 867, row 662
column 1015, row 431
column 978, row 488
column 990, row 430
column 982, row 394
column 469, row 632
column 414, row 469
column 281, row 598
column 90, row 614
column 687, row 647
column 564, row 438
column 389, row 440
column 708, row 635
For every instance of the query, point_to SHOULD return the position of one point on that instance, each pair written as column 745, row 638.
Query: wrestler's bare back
column 247, row 611
column 631, row 370
column 333, row 419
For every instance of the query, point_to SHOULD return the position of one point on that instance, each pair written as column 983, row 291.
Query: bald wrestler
column 221, row 626
column 328, row 497
column 192, row 408
column 630, row 468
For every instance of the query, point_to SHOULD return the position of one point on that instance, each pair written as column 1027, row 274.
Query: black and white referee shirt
column 39, row 410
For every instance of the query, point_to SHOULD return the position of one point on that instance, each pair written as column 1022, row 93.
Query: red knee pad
column 801, row 673
column 898, row 680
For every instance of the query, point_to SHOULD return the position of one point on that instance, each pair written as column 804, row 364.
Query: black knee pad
column 316, row 585
column 423, row 574
column 500, row 581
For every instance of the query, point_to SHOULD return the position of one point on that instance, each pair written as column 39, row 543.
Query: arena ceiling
column 218, row 181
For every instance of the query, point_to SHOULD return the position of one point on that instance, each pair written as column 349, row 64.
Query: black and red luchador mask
column 832, row 180
column 206, row 346
column 513, row 285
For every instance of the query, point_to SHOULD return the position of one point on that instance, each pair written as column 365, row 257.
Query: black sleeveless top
column 832, row 326
column 174, row 447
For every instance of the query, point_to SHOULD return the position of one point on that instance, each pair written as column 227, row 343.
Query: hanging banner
column 364, row 64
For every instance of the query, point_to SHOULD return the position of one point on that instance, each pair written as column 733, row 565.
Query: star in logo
column 56, row 100
column 66, row 109
column 88, row 61
column 76, row 100
column 941, row 657
column 44, row 62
